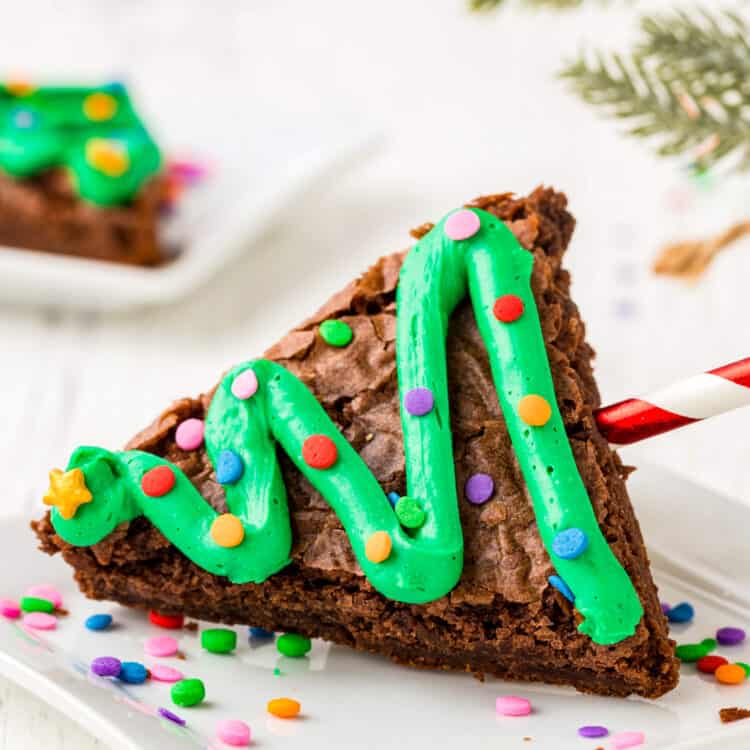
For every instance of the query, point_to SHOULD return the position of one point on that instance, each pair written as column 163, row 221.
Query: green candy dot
column 219, row 640
column 409, row 512
column 188, row 692
column 336, row 332
column 291, row 644
column 693, row 651
column 35, row 604
column 746, row 667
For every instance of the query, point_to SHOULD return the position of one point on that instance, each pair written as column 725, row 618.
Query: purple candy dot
column 165, row 713
column 419, row 401
column 665, row 608
column 593, row 731
column 730, row 636
column 479, row 488
column 106, row 666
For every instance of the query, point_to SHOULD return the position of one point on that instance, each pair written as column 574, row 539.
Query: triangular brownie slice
column 538, row 598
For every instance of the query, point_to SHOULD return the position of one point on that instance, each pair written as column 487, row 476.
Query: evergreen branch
column 685, row 85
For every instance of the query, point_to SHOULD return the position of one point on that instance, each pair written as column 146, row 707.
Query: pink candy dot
column 512, row 705
column 233, row 732
column 161, row 645
column 46, row 591
column 245, row 385
column 461, row 225
column 625, row 740
column 9, row 609
column 189, row 434
column 164, row 673
column 40, row 621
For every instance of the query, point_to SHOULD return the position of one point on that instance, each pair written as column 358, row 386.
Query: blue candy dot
column 98, row 622
column 570, row 543
column 393, row 497
column 681, row 613
column 562, row 587
column 133, row 672
column 261, row 633
column 229, row 467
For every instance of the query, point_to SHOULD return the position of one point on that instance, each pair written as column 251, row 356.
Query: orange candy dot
column 284, row 708
column 227, row 530
column 107, row 157
column 99, row 107
column 730, row 674
column 19, row 88
column 534, row 410
column 378, row 547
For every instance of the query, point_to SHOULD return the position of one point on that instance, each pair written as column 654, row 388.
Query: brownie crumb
column 728, row 715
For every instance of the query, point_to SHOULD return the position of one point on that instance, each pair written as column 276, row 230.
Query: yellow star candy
column 67, row 491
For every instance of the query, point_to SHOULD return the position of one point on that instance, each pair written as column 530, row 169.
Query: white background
column 469, row 104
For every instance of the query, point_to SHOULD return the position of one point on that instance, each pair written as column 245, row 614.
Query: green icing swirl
column 49, row 127
column 425, row 563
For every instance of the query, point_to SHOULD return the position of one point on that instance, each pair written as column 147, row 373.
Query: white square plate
column 354, row 700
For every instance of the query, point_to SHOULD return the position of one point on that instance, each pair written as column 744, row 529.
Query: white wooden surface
column 470, row 105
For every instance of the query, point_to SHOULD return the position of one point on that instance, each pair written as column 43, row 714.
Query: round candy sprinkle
column 336, row 332
column 99, row 106
column 393, row 498
column 558, row 583
column 107, row 156
column 229, row 467
column 730, row 636
column 508, row 308
column 570, row 544
column 283, row 708
column 319, row 452
column 479, row 488
column 233, row 732
column 593, row 730
column 291, row 644
column 690, row 652
column 24, row 119
column 665, row 608
column 534, row 410
column 512, row 705
column 46, row 591
column 730, row 674
column 746, row 667
column 378, row 547
column 165, row 673
column 409, row 513
column 256, row 632
column 219, row 640
column 709, row 664
column 461, row 225
column 158, row 481
column 227, row 530
column 9, row 609
column 35, row 604
column 171, row 622
column 189, row 434
column 40, row 621
column 188, row 692
column 161, row 645
column 624, row 740
column 419, row 401
column 133, row 672
column 683, row 612
column 98, row 622
column 106, row 666
column 245, row 385
column 165, row 713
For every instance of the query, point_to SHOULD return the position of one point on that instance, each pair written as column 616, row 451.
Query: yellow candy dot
column 108, row 157
column 227, row 530
column 99, row 107
column 19, row 88
column 378, row 547
column 534, row 410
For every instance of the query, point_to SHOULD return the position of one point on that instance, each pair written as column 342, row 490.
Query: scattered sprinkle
column 378, row 547
column 219, row 640
column 256, row 632
column 479, row 488
column 534, row 410
column 165, row 713
column 283, row 708
column 165, row 673
column 410, row 513
column 512, row 705
column 319, row 452
column 624, row 740
column 189, row 434
column 227, row 530
column 46, row 591
column 99, row 106
column 683, row 612
column 730, row 636
column 40, row 621
column 9, row 609
column 593, row 730
column 245, row 385
column 730, row 674
column 508, row 308
column 570, row 543
column 133, row 672
column 98, row 622
column 746, row 667
column 419, row 401
column 709, row 664
column 693, row 651
column 461, row 225
column 229, row 467
column 35, row 604
column 233, row 732
column 170, row 622
column 291, row 644
column 393, row 498
column 188, row 693
column 557, row 583
column 158, row 481
column 728, row 715
column 665, row 608
column 161, row 645
column 336, row 333
column 106, row 666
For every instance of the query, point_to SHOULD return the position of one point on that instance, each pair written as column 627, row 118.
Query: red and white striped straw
column 705, row 395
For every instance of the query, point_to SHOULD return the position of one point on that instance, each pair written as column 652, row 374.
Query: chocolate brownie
column 503, row 617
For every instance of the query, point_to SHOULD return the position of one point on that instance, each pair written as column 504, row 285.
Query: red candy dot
column 157, row 481
column 508, row 308
column 709, row 664
column 319, row 452
column 171, row 622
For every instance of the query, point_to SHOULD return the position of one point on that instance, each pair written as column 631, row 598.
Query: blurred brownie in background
column 79, row 174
